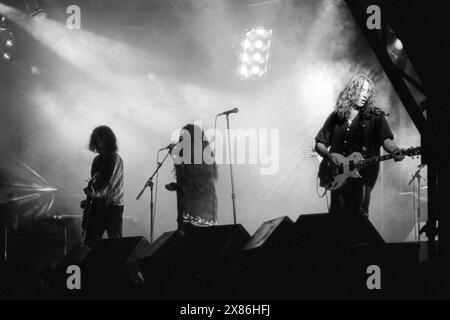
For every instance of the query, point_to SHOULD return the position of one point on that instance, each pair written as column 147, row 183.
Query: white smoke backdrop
column 180, row 66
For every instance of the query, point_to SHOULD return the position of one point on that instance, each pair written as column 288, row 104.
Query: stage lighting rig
column 6, row 39
column 254, row 59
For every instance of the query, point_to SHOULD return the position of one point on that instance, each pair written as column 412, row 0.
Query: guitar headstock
column 412, row 151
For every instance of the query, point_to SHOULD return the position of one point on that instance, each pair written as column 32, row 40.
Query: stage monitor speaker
column 75, row 256
column 58, row 275
column 113, row 263
column 209, row 263
column 324, row 231
column 265, row 260
column 166, row 244
column 321, row 245
column 160, row 259
column 196, row 264
column 223, row 240
column 273, row 234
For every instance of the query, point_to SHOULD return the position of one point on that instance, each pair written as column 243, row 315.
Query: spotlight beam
column 263, row 3
column 82, row 48
column 104, row 60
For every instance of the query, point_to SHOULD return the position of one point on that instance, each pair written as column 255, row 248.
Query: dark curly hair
column 105, row 134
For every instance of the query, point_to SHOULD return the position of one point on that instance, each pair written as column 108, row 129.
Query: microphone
column 169, row 146
column 235, row 110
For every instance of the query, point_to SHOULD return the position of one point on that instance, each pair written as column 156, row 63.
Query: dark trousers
column 349, row 205
column 99, row 222
column 352, row 200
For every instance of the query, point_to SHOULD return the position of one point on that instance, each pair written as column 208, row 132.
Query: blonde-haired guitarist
column 356, row 125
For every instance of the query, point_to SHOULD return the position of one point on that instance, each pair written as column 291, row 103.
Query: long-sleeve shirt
column 108, row 184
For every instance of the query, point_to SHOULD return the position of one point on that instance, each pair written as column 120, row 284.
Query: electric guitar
column 333, row 177
column 88, row 203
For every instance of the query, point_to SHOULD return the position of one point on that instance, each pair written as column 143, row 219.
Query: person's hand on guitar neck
column 391, row 147
column 398, row 154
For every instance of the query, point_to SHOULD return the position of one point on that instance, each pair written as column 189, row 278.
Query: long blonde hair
column 348, row 96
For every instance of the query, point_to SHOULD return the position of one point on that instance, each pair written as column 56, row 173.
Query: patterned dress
column 196, row 195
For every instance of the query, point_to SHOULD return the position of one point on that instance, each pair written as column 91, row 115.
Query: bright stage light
column 4, row 23
column 35, row 71
column 256, row 50
column 260, row 32
column 6, row 44
column 398, row 45
column 6, row 56
column 244, row 71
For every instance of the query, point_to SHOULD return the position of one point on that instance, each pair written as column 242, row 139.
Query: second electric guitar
column 332, row 177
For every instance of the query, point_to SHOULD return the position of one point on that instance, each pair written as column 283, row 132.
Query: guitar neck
column 373, row 160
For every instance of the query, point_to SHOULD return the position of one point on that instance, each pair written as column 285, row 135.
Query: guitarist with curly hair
column 356, row 126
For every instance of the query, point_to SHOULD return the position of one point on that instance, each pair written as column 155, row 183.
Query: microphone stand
column 150, row 184
column 233, row 195
column 417, row 176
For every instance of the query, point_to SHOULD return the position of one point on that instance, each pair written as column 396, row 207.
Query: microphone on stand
column 233, row 195
column 169, row 146
column 235, row 110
